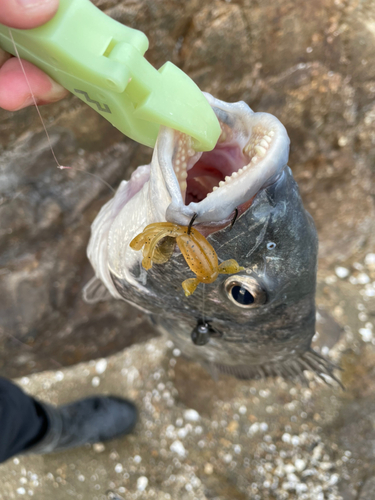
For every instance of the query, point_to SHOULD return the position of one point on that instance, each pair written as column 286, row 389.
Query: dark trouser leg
column 23, row 422
column 30, row 426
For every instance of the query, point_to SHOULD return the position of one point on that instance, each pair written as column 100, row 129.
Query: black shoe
column 90, row 420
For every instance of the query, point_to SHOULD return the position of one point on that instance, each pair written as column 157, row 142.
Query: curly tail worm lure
column 158, row 241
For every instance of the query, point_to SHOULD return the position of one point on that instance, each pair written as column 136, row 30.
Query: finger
column 14, row 91
column 26, row 14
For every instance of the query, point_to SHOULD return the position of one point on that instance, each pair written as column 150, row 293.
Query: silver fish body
column 259, row 322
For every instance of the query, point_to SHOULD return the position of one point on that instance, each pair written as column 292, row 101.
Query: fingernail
column 56, row 92
column 30, row 4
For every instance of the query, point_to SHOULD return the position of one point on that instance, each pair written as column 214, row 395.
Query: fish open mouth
column 250, row 154
column 217, row 168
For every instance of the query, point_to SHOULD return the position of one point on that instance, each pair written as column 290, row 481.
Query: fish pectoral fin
column 190, row 285
column 230, row 267
column 95, row 291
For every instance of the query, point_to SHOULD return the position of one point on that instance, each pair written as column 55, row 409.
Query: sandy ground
column 203, row 439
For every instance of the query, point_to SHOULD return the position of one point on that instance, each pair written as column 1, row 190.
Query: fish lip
column 218, row 206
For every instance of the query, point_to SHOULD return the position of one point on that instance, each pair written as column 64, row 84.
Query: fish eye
column 271, row 245
column 244, row 291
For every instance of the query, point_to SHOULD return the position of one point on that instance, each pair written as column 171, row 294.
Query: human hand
column 14, row 90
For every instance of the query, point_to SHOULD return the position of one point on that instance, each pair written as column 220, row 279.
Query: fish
column 256, row 323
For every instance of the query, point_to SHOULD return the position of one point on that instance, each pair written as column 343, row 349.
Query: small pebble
column 178, row 448
column 208, row 469
column 363, row 279
column 366, row 334
column 342, row 272
column 142, row 483
column 300, row 464
column 98, row 447
column 191, row 415
column 101, row 366
column 370, row 259
column 286, row 437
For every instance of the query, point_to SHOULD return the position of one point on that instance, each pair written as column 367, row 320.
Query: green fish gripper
column 101, row 61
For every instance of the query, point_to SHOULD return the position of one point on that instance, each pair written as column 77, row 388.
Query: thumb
column 26, row 14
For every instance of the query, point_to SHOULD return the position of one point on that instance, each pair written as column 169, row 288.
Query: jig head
column 202, row 333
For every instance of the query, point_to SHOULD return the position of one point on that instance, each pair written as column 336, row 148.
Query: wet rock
column 312, row 65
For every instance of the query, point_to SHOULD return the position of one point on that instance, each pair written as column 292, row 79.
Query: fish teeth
column 267, row 138
column 215, row 187
column 264, row 144
column 260, row 151
column 228, row 179
column 235, row 174
column 183, row 175
column 240, row 170
column 254, row 160
column 271, row 133
column 221, row 183
column 183, row 186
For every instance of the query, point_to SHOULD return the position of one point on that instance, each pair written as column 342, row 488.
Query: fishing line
column 203, row 302
column 59, row 166
column 34, row 100
column 88, row 173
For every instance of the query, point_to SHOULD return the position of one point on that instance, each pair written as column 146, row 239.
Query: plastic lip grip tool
column 101, row 61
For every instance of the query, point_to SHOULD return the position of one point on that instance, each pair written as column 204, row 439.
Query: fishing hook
column 234, row 218
column 191, row 223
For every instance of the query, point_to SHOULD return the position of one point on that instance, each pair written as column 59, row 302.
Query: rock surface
column 312, row 64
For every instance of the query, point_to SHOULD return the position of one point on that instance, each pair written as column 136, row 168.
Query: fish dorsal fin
column 95, row 291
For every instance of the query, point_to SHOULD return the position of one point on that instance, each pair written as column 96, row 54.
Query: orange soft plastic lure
column 158, row 241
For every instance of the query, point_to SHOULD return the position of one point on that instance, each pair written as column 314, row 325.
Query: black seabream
column 257, row 322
